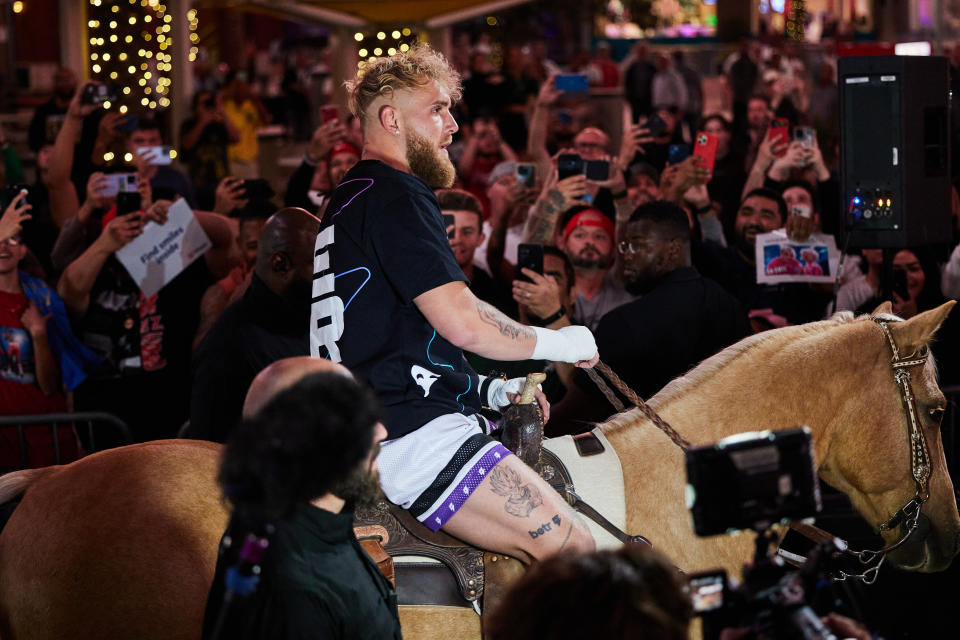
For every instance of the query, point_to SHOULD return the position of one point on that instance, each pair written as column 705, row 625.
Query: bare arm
column 473, row 325
column 48, row 376
column 537, row 135
column 220, row 232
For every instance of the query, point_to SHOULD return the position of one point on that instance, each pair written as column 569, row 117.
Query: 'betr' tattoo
column 521, row 498
column 507, row 327
column 546, row 528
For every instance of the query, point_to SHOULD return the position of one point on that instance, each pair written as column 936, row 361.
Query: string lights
column 131, row 48
column 373, row 45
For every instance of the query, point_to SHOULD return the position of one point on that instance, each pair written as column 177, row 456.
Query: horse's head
column 869, row 457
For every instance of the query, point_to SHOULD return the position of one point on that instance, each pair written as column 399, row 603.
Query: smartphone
column 128, row 202
column 448, row 221
column 779, row 134
column 529, row 256
column 526, row 175
column 156, row 155
column 900, row 284
column 94, row 93
column 119, row 183
column 12, row 191
column 329, row 113
column 708, row 590
column 569, row 164
column 677, row 153
column 705, row 149
column 656, row 125
column 805, row 135
column 571, row 82
column 597, row 169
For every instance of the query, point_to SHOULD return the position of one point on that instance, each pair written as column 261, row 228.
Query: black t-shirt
column 685, row 319
column 382, row 243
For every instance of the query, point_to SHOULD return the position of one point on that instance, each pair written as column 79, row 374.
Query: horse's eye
column 937, row 415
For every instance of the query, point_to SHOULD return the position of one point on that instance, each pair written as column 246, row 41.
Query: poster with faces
column 781, row 259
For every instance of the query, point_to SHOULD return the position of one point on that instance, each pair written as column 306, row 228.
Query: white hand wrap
column 568, row 344
column 498, row 390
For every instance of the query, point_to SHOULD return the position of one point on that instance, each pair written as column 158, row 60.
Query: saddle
column 435, row 568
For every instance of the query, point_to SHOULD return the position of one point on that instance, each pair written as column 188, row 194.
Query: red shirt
column 19, row 393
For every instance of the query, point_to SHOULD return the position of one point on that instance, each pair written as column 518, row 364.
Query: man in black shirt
column 391, row 303
column 268, row 323
column 680, row 319
column 295, row 470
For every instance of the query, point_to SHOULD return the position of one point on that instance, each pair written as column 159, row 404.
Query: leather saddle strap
column 380, row 556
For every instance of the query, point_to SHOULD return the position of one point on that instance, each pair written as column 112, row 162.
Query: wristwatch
column 553, row 318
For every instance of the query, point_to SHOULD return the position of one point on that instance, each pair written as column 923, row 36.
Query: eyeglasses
column 630, row 246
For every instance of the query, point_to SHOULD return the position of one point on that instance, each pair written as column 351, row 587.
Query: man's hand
column 229, row 196
column 157, row 212
column 548, row 94
column 95, row 186
column 539, row 396
column 119, row 232
column 797, row 157
column 323, row 139
column 769, row 151
column 78, row 110
column 33, row 322
column 505, row 194
column 14, row 216
column 541, row 296
column 108, row 131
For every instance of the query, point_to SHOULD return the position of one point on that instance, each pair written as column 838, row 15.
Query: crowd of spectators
column 614, row 258
column 656, row 254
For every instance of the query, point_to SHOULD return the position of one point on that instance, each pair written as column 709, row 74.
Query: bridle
column 909, row 514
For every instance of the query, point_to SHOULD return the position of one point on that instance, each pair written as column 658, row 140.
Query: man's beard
column 746, row 247
column 600, row 262
column 428, row 164
column 361, row 488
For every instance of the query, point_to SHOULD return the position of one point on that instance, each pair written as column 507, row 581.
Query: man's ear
column 388, row 118
column 279, row 263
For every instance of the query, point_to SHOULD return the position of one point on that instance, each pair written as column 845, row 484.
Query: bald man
column 269, row 323
column 283, row 374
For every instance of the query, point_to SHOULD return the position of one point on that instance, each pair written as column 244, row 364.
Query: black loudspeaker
column 895, row 150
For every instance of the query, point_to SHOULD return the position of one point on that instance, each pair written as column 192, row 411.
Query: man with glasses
column 680, row 319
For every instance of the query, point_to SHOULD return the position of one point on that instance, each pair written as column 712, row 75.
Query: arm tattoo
column 507, row 327
column 521, row 498
column 547, row 527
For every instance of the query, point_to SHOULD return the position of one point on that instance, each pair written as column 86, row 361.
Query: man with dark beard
column 268, row 323
column 588, row 240
column 680, row 319
column 391, row 303
column 293, row 473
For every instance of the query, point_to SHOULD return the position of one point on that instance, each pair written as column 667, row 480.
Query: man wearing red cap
column 328, row 158
column 588, row 240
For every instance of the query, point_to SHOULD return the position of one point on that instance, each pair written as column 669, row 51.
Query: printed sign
column 781, row 259
column 160, row 253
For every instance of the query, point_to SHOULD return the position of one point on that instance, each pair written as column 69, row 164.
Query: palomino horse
column 122, row 544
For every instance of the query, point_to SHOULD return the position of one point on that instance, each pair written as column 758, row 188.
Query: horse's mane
column 712, row 365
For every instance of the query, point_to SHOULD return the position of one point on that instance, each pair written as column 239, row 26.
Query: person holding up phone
column 204, row 138
column 329, row 156
column 152, row 161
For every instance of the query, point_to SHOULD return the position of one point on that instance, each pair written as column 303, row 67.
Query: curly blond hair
column 415, row 68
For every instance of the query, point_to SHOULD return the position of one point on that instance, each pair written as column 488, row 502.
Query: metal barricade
column 95, row 424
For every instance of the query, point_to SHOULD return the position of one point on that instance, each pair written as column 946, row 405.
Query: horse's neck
column 773, row 383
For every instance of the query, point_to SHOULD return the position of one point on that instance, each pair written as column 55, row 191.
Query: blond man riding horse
column 391, row 303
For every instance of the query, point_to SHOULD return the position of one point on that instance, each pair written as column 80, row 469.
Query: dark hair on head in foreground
column 632, row 592
column 669, row 219
column 298, row 447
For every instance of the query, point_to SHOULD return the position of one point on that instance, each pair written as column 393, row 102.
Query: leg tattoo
column 521, row 498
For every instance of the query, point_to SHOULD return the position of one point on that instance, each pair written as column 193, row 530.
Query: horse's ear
column 918, row 330
column 885, row 308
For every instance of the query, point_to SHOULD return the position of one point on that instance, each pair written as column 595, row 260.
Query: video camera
column 753, row 481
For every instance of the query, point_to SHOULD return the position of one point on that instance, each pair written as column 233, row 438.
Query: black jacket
column 315, row 582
